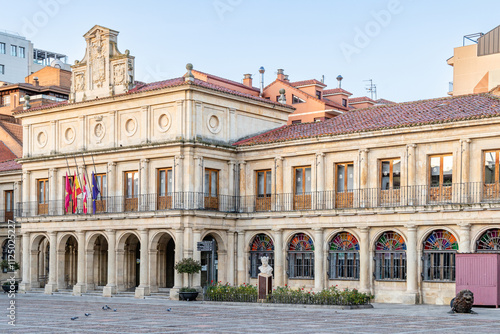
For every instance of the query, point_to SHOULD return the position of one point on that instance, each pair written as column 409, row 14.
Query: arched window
column 301, row 256
column 439, row 256
column 343, row 257
column 489, row 241
column 390, row 257
column 262, row 245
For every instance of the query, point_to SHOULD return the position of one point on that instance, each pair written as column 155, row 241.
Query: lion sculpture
column 463, row 302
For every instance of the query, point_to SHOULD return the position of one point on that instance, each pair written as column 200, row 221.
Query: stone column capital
column 364, row 150
column 26, row 172
column 110, row 231
column 242, row 163
column 111, row 164
column 318, row 229
column 53, row 170
column 411, row 227
column 144, row 160
column 465, row 140
column 363, row 229
column 320, row 154
column 231, row 162
column 279, row 158
column 411, row 145
column 464, row 226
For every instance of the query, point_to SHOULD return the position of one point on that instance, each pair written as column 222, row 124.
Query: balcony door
column 491, row 191
column 165, row 188
column 390, row 182
column 43, row 196
column 344, row 185
column 441, row 178
column 302, row 188
column 131, row 190
column 211, row 189
column 100, row 201
column 9, row 205
column 263, row 191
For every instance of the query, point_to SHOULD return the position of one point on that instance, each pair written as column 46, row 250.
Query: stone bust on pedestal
column 265, row 268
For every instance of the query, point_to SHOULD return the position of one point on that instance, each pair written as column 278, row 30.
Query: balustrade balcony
column 371, row 198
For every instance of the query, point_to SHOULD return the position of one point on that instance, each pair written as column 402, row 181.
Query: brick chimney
column 281, row 74
column 247, row 80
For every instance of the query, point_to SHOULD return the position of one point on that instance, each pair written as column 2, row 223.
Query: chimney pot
column 247, row 80
column 281, row 74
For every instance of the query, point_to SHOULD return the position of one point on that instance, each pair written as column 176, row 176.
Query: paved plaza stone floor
column 38, row 313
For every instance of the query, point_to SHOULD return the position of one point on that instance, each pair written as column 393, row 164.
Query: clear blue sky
column 404, row 52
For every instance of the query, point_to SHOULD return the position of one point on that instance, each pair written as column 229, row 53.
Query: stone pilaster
column 364, row 260
column 80, row 286
column 196, row 257
column 110, row 288
column 411, row 181
column 464, row 246
column 51, row 286
column 143, row 289
column 279, row 270
column 319, row 256
column 179, row 250
column 411, row 296
column 25, row 284
column 320, row 181
column 241, row 257
column 230, row 257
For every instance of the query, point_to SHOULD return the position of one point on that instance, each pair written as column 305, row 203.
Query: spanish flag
column 78, row 190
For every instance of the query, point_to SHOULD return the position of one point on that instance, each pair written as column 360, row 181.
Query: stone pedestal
column 142, row 291
column 109, row 290
column 265, row 285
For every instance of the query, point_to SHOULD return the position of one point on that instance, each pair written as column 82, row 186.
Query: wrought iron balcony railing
column 371, row 198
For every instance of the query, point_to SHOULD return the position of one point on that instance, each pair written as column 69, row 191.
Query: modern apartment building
column 18, row 58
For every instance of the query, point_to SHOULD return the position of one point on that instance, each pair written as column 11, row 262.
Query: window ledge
column 343, row 279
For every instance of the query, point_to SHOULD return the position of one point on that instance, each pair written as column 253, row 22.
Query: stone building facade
column 379, row 199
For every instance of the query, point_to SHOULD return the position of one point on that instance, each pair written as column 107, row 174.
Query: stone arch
column 67, row 260
column 221, row 257
column 128, row 260
column 96, row 259
column 39, row 260
column 425, row 234
column 250, row 236
column 491, row 232
column 257, row 248
column 377, row 235
column 333, row 233
column 161, row 260
column 479, row 233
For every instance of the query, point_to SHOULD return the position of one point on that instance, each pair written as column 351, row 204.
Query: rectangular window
column 301, row 265
column 298, row 121
column 211, row 189
column 102, row 185
column 390, row 266
column 22, row 52
column 13, row 50
column 318, row 94
column 318, row 119
column 9, row 205
column 344, row 185
column 43, row 196
column 439, row 266
column 390, row 181
column 165, row 188
column 344, row 102
column 491, row 167
column 491, row 189
column 343, row 265
column 263, row 191
column 390, row 174
column 2, row 69
column 302, row 188
column 2, row 48
column 131, row 190
column 441, row 178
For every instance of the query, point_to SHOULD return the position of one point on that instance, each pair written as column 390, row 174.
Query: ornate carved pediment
column 104, row 70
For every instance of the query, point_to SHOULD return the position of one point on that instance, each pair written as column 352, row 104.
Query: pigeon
column 114, row 310
column 87, row 314
column 169, row 309
column 74, row 318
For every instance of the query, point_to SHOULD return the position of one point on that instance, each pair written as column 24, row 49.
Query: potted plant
column 190, row 267
column 6, row 286
column 6, row 266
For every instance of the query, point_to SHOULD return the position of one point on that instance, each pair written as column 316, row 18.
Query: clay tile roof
column 361, row 99
column 384, row 101
column 9, row 165
column 306, row 83
column 6, row 153
column 142, row 87
column 15, row 130
column 399, row 115
column 231, row 82
column 336, row 91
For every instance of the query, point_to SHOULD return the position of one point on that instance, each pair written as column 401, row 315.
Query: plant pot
column 188, row 295
column 6, row 288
